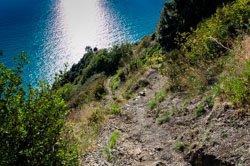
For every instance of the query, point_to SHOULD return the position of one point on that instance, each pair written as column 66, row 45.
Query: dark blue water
column 55, row 32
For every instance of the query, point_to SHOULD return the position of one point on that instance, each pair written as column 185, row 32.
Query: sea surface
column 55, row 32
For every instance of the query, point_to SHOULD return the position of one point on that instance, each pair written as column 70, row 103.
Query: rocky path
column 216, row 138
column 142, row 142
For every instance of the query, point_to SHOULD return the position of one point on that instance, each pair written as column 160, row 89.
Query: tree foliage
column 31, row 122
column 214, row 37
column 93, row 62
column 180, row 15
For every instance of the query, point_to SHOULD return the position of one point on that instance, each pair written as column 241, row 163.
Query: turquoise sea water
column 54, row 32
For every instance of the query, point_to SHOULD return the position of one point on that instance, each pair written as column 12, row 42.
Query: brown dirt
column 216, row 138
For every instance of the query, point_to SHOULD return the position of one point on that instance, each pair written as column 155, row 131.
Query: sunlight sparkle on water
column 83, row 23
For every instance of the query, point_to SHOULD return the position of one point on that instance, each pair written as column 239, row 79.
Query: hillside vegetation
column 32, row 121
column 202, row 60
column 187, row 86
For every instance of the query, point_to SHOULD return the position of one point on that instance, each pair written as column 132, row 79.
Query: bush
column 166, row 116
column 116, row 80
column 214, row 36
column 152, row 104
column 91, row 90
column 103, row 61
column 158, row 98
column 115, row 109
column 175, row 18
column 199, row 110
column 180, row 146
column 96, row 117
column 236, row 83
column 31, row 123
column 205, row 52
column 111, row 145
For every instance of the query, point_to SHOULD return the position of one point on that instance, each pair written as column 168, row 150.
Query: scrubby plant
column 32, row 121
column 105, row 61
column 132, row 84
column 116, row 79
column 115, row 109
column 175, row 18
column 204, row 52
column 158, row 98
column 107, row 150
column 236, row 83
column 154, row 55
column 166, row 116
column 206, row 102
column 179, row 145
column 223, row 134
column 77, row 95
column 139, row 84
column 152, row 104
column 199, row 110
column 214, row 36
column 96, row 117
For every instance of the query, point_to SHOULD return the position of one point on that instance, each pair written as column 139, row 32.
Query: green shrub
column 180, row 16
column 179, row 145
column 105, row 61
column 152, row 104
column 237, row 90
column 91, row 90
column 116, row 80
column 115, row 83
column 199, row 110
column 96, row 117
column 236, row 83
column 213, row 37
column 31, row 122
column 113, row 139
column 166, row 116
column 115, row 109
column 111, row 145
column 206, row 102
column 158, row 98
column 205, row 52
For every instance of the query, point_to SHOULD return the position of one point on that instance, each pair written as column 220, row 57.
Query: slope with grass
column 185, row 106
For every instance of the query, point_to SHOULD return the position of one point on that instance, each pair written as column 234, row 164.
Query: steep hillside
column 142, row 105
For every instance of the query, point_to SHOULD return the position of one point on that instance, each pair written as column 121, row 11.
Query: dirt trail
column 216, row 138
column 142, row 141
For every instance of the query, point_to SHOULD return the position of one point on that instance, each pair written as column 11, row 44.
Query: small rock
column 137, row 98
column 137, row 151
column 193, row 146
column 120, row 152
column 165, row 157
column 142, row 93
column 158, row 163
column 151, row 153
column 158, row 149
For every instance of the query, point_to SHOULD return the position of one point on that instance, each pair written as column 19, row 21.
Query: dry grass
column 84, row 113
column 83, row 132
column 234, row 80
column 243, row 52
column 143, row 45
